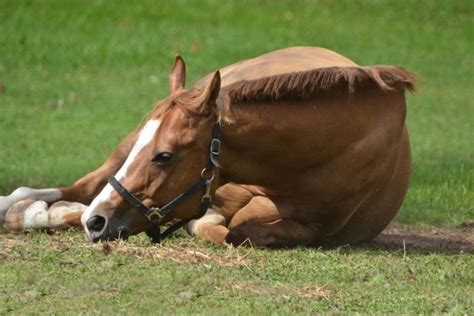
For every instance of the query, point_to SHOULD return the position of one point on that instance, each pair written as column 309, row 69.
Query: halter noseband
column 156, row 214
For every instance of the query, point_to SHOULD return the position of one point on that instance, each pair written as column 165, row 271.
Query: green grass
column 79, row 75
column 40, row 276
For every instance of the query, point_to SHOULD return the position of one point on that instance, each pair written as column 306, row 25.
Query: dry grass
column 184, row 252
column 187, row 274
column 187, row 252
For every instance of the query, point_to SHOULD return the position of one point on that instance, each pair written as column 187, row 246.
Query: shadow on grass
column 432, row 239
column 397, row 237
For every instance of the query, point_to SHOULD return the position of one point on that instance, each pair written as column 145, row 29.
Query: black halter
column 156, row 214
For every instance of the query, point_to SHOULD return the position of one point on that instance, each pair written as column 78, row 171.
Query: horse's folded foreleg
column 260, row 224
column 210, row 227
column 283, row 233
column 228, row 200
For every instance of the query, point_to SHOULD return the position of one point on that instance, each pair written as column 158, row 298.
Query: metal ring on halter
column 154, row 215
column 207, row 175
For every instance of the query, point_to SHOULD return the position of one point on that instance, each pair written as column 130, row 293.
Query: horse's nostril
column 96, row 223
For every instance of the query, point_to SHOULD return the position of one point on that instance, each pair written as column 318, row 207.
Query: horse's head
column 170, row 153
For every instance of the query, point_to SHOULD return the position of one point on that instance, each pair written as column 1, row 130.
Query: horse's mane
column 331, row 79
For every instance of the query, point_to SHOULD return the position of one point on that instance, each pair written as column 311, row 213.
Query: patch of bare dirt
column 441, row 239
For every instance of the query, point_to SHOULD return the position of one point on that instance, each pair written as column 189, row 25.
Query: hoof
column 236, row 239
column 250, row 234
column 64, row 214
column 243, row 234
column 27, row 214
column 5, row 204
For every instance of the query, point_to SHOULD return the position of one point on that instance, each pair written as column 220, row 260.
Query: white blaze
column 146, row 135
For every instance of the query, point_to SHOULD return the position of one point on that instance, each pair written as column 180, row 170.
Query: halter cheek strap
column 156, row 214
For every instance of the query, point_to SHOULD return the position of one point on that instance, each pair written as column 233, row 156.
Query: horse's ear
column 177, row 75
column 211, row 92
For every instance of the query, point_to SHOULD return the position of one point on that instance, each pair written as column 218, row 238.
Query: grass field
column 79, row 75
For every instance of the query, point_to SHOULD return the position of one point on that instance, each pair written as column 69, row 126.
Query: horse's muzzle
column 100, row 229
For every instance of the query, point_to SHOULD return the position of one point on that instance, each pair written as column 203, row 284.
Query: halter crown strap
column 215, row 147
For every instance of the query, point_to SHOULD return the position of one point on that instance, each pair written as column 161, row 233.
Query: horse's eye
column 163, row 158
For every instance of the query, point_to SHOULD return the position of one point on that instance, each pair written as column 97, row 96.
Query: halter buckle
column 154, row 215
column 215, row 146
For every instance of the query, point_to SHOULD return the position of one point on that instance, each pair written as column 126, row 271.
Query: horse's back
column 283, row 61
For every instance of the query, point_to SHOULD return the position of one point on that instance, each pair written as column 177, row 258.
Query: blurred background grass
column 79, row 75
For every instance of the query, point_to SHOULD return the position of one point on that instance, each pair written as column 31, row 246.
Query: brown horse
column 313, row 150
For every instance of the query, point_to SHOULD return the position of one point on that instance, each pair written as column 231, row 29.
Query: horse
column 296, row 147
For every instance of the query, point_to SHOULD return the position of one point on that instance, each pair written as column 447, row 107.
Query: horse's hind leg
column 83, row 190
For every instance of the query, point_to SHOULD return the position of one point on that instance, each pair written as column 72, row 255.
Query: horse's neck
column 243, row 146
